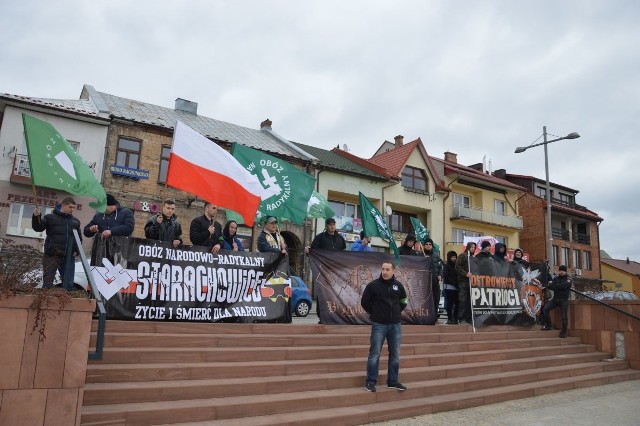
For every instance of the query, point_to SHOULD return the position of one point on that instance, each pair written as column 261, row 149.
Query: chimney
column 399, row 140
column 266, row 124
column 186, row 106
column 478, row 166
column 500, row 173
column 451, row 157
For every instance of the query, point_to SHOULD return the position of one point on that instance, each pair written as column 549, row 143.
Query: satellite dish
column 345, row 147
column 389, row 210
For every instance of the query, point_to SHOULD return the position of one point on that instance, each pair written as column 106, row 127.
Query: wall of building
column 90, row 136
column 629, row 282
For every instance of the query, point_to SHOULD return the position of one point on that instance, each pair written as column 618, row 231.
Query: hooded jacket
column 519, row 260
column 497, row 255
column 384, row 300
column 462, row 264
column 228, row 240
column 120, row 222
column 449, row 273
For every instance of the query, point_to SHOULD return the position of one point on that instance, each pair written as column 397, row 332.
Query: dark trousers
column 435, row 288
column 564, row 312
column 393, row 334
column 464, row 300
column 451, row 304
column 62, row 264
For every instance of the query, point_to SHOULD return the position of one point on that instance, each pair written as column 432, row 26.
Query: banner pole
column 473, row 321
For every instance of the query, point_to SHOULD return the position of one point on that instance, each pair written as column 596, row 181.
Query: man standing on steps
column 560, row 285
column 384, row 299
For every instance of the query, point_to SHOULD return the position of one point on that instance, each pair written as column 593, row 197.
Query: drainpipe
column 444, row 212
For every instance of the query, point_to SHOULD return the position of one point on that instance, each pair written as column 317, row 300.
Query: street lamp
column 520, row 149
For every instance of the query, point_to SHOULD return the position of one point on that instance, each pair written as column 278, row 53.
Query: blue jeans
column 393, row 334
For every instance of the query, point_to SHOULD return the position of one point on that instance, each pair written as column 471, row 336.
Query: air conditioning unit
column 578, row 272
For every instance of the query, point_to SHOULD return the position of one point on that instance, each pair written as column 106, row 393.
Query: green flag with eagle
column 374, row 225
column 55, row 164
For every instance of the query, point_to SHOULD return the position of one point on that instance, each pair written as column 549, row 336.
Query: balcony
column 560, row 234
column 569, row 204
column 21, row 172
column 485, row 216
column 581, row 238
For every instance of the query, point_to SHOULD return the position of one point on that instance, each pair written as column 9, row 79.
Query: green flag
column 287, row 188
column 319, row 207
column 55, row 164
column 422, row 233
column 374, row 225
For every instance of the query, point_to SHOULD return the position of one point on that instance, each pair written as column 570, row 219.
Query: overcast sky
column 478, row 78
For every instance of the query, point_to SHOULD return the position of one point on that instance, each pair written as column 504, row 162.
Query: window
column 461, row 200
column 556, row 260
column 457, row 235
column 344, row 209
column 587, row 260
column 500, row 207
column 413, row 178
column 164, row 164
column 542, row 192
column 128, row 153
column 566, row 199
column 576, row 259
column 565, row 256
column 20, row 220
column 401, row 222
column 503, row 240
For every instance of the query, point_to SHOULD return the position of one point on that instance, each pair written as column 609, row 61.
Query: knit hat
column 485, row 244
column 562, row 268
column 329, row 221
column 111, row 200
column 428, row 240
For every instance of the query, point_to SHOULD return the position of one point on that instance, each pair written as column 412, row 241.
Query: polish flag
column 199, row 166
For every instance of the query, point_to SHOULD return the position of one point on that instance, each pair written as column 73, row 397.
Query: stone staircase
column 281, row 374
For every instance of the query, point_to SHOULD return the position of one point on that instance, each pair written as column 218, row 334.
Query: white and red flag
column 199, row 166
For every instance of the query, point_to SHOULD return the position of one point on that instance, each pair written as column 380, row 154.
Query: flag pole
column 35, row 200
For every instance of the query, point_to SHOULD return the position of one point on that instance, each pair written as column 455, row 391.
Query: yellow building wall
column 629, row 282
column 427, row 209
column 482, row 199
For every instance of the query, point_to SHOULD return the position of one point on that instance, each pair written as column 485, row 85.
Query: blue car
column 301, row 300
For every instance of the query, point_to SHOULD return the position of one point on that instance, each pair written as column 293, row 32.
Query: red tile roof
column 395, row 159
column 455, row 168
column 364, row 163
column 631, row 268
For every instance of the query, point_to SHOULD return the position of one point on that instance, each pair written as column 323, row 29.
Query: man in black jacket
column 205, row 230
column 329, row 239
column 164, row 225
column 560, row 286
column 60, row 247
column 116, row 221
column 384, row 299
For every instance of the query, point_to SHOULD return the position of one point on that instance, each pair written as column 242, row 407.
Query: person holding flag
column 206, row 231
column 374, row 225
column 270, row 240
column 60, row 247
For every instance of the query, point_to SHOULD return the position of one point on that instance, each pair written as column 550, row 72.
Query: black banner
column 340, row 277
column 142, row 279
column 504, row 292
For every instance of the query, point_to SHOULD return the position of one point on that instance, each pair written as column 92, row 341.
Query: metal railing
column 486, row 216
column 605, row 304
column 581, row 238
column 102, row 314
column 560, row 234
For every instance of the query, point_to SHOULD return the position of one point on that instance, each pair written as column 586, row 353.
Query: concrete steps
column 165, row 373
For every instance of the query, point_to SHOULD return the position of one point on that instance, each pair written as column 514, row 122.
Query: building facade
column 574, row 228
